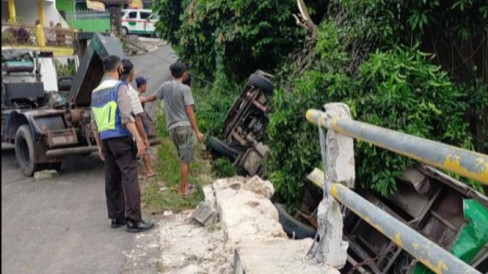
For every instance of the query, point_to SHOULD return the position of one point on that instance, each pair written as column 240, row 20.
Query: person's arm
column 189, row 103
column 149, row 98
column 193, row 122
column 125, row 110
column 141, row 129
column 97, row 136
column 156, row 95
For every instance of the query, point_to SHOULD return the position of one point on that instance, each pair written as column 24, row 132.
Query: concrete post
column 332, row 250
column 339, row 149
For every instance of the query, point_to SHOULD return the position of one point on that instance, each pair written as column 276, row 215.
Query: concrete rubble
column 252, row 239
column 45, row 174
column 140, row 45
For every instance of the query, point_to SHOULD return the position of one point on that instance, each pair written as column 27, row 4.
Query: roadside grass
column 162, row 193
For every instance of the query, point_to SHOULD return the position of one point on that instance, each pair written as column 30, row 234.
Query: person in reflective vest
column 118, row 144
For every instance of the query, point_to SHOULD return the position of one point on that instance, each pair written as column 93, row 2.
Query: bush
column 241, row 36
column 223, row 168
column 20, row 36
column 398, row 89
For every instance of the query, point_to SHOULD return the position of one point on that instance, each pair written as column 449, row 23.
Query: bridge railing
column 340, row 174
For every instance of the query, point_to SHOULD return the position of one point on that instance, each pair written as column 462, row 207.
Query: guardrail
column 466, row 163
column 461, row 161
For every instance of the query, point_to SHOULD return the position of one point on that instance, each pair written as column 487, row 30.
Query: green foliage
column 212, row 105
column 461, row 18
column 238, row 35
column 161, row 194
column 68, row 69
column 223, row 167
column 367, row 54
column 397, row 88
column 169, row 12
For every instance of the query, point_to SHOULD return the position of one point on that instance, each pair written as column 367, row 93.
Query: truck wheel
column 261, row 82
column 222, row 148
column 25, row 151
column 293, row 226
column 125, row 31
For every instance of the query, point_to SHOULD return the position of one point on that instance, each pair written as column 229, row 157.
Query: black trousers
column 121, row 180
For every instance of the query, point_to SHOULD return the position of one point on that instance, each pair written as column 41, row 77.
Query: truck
column 245, row 124
column 45, row 135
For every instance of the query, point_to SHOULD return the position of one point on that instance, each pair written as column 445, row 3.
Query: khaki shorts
column 185, row 141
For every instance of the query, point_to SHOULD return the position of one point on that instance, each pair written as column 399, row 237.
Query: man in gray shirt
column 180, row 118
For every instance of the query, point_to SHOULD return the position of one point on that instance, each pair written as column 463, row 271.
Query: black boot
column 138, row 226
column 116, row 223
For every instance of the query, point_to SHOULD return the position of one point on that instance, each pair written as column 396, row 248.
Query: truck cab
column 43, row 137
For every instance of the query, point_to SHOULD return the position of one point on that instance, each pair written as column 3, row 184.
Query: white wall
column 52, row 14
column 27, row 9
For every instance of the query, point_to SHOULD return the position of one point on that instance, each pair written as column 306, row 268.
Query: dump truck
column 245, row 124
column 43, row 137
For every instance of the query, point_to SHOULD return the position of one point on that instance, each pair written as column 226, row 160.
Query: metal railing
column 19, row 34
column 87, row 15
column 467, row 163
column 461, row 161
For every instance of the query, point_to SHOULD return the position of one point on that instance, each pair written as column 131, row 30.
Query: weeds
column 162, row 193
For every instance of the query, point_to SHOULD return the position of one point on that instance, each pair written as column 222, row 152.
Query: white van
column 138, row 21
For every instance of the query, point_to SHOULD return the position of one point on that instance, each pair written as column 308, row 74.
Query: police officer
column 115, row 132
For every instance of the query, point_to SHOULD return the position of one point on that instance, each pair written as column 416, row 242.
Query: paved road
column 60, row 225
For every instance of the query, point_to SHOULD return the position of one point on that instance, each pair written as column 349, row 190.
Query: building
column 20, row 31
column 27, row 11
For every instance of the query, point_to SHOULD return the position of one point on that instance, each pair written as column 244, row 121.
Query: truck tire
column 292, row 226
column 125, row 31
column 222, row 148
column 262, row 83
column 25, row 151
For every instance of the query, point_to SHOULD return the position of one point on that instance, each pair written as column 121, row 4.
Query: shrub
column 240, row 35
column 223, row 167
column 397, row 88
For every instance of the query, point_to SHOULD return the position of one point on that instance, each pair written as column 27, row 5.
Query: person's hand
column 147, row 143
column 100, row 153
column 200, row 136
column 141, row 147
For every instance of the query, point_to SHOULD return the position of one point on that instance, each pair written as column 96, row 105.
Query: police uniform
column 111, row 109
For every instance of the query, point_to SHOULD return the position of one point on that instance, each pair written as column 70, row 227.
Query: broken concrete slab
column 284, row 256
column 247, row 217
column 232, row 182
column 250, row 224
column 188, row 248
column 209, row 196
column 259, row 186
column 45, row 174
column 205, row 215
